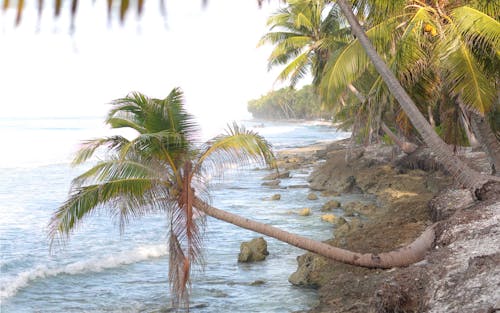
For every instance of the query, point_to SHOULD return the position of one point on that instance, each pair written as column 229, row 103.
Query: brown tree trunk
column 431, row 117
column 405, row 256
column 460, row 171
column 406, row 146
column 467, row 124
column 488, row 141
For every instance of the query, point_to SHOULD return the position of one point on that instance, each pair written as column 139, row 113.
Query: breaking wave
column 136, row 255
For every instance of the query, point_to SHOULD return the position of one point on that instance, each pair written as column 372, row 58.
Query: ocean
column 101, row 270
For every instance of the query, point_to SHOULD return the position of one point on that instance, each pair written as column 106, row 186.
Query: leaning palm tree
column 155, row 172
column 442, row 53
column 462, row 172
column 162, row 170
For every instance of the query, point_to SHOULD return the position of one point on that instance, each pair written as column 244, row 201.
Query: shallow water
column 99, row 270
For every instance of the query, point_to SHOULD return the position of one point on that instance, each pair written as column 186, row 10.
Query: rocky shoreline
column 411, row 193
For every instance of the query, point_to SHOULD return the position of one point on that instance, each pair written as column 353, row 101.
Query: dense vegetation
column 426, row 70
column 288, row 103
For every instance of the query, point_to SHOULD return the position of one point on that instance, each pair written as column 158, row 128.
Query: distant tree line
column 288, row 103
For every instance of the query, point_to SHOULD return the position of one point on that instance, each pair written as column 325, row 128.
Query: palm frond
column 89, row 147
column 303, row 21
column 117, row 122
column 410, row 57
column 276, row 37
column 347, row 65
column 466, row 79
column 296, row 69
column 133, row 108
column 120, row 169
column 238, row 145
column 178, row 273
column 186, row 240
column 163, row 145
column 490, row 7
column 376, row 11
column 476, row 26
column 122, row 198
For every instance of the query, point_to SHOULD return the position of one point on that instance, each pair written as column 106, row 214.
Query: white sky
column 210, row 53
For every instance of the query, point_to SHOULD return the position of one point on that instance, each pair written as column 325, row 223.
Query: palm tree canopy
column 157, row 171
column 441, row 53
column 303, row 33
column 412, row 37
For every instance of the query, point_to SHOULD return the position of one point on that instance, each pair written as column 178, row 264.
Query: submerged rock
column 277, row 175
column 257, row 282
column 330, row 205
column 276, row 197
column 305, row 212
column 272, row 183
column 253, row 250
column 312, row 196
column 340, row 221
column 330, row 218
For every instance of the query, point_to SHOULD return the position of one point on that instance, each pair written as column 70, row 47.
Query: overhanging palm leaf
column 470, row 29
column 88, row 148
column 238, row 145
column 121, row 189
column 349, row 63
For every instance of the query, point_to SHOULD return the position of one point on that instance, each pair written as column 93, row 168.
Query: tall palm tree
column 463, row 173
column 162, row 170
column 304, row 34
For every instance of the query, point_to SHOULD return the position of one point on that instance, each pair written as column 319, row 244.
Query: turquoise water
column 99, row 270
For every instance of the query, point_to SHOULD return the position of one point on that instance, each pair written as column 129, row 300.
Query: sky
column 211, row 53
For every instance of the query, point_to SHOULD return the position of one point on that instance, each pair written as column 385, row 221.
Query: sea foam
column 139, row 254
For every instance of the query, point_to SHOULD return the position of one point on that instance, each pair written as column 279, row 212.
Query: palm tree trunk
column 405, row 256
column 460, row 171
column 406, row 146
column 465, row 117
column 431, row 117
column 488, row 141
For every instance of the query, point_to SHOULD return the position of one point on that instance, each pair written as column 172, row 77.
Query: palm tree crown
column 304, row 34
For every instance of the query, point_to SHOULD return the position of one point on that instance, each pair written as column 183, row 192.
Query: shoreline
column 408, row 200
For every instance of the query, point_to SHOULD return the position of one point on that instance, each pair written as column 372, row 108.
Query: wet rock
column 297, row 186
column 305, row 212
column 330, row 218
column 330, row 205
column 312, row 196
column 307, row 274
column 356, row 208
column 349, row 212
column 257, row 282
column 276, row 197
column 277, row 175
column 340, row 221
column 342, row 230
column 291, row 162
column 272, row 183
column 254, row 250
column 330, row 193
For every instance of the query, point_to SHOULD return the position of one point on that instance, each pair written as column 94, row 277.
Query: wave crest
column 135, row 255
